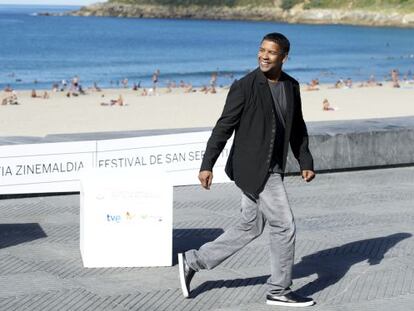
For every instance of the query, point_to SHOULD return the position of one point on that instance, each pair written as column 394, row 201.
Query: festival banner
column 55, row 167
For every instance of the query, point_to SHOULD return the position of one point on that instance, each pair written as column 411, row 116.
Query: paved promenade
column 355, row 251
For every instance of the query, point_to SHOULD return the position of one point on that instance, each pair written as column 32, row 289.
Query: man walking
column 264, row 110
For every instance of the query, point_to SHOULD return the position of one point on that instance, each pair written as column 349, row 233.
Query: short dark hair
column 279, row 39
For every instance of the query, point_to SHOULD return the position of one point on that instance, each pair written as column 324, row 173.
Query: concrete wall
column 335, row 145
column 339, row 145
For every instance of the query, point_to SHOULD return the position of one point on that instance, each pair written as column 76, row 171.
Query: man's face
column 270, row 57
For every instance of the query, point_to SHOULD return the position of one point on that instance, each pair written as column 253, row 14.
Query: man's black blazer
column 249, row 112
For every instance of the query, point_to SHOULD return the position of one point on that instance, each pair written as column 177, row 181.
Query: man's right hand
column 206, row 178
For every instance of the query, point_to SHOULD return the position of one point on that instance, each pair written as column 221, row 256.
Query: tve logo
column 113, row 218
column 118, row 218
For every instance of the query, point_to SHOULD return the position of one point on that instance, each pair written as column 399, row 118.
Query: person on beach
column 10, row 99
column 313, row 85
column 55, row 87
column 263, row 109
column 395, row 78
column 213, row 80
column 81, row 90
column 348, row 83
column 326, row 106
column 189, row 88
column 96, row 88
column 5, row 99
column 120, row 100
column 75, row 81
column 155, row 77
column 182, row 84
column 63, row 85
column 125, row 83
column 34, row 94
column 339, row 84
column 144, row 92
column 8, row 88
column 113, row 102
column 372, row 81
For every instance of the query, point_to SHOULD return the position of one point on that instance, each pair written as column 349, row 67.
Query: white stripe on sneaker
column 182, row 275
column 290, row 304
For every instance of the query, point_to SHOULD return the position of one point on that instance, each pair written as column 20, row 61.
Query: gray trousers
column 271, row 206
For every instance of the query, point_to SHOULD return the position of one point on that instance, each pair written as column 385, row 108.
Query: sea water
column 37, row 51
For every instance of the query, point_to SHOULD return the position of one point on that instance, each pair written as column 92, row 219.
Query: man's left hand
column 308, row 175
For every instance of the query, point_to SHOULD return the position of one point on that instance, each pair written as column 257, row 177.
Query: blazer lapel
column 289, row 103
column 289, row 117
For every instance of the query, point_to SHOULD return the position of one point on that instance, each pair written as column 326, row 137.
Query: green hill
column 371, row 5
column 228, row 3
column 398, row 13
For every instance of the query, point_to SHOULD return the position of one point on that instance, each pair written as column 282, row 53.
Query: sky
column 51, row 2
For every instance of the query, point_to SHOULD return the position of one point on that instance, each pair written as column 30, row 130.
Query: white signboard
column 55, row 167
column 52, row 167
column 126, row 218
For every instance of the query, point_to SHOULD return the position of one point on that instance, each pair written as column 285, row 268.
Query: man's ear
column 285, row 58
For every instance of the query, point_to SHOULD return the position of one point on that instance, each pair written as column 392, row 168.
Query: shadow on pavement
column 185, row 239
column 14, row 234
column 330, row 265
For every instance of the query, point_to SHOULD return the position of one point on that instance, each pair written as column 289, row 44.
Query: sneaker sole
column 290, row 304
column 184, row 289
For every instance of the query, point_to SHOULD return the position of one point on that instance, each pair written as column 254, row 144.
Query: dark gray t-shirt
column 279, row 99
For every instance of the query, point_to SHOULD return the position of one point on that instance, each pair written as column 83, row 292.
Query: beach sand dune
column 84, row 114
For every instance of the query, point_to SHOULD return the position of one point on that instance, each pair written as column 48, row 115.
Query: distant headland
column 398, row 13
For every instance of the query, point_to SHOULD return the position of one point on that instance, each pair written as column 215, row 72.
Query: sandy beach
column 84, row 113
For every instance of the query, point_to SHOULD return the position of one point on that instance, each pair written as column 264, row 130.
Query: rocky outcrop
column 354, row 17
column 294, row 15
column 191, row 12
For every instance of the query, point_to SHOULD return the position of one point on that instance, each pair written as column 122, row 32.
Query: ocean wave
column 10, row 21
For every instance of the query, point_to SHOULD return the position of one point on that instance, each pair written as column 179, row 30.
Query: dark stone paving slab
column 355, row 250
